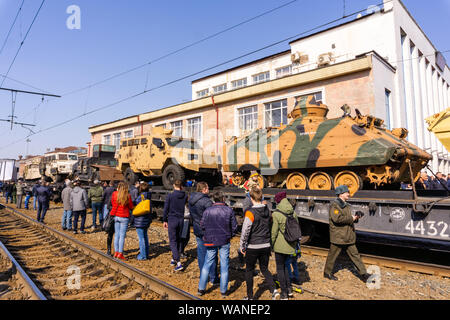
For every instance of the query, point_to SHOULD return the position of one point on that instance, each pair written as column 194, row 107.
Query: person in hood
column 255, row 242
column 283, row 249
column 199, row 201
column 66, row 222
column 43, row 194
column 173, row 218
column 78, row 205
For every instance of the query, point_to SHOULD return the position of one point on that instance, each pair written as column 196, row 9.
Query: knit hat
column 341, row 189
column 280, row 196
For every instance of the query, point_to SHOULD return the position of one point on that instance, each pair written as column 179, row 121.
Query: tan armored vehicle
column 162, row 156
column 57, row 166
column 439, row 124
column 31, row 169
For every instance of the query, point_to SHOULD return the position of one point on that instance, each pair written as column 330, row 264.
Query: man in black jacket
column 198, row 202
column 173, row 221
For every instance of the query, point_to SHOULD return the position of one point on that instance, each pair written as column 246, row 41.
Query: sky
column 115, row 36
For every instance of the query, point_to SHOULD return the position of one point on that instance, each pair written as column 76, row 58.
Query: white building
column 410, row 78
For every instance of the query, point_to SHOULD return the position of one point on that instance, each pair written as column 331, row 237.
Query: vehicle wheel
column 171, row 174
column 296, row 181
column 320, row 181
column 350, row 179
column 130, row 176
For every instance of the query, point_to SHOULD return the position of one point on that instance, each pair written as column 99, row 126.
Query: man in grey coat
column 20, row 191
column 67, row 215
column 78, row 205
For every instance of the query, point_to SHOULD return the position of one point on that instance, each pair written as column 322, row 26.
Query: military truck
column 163, row 158
column 31, row 170
column 316, row 153
column 101, row 166
column 57, row 166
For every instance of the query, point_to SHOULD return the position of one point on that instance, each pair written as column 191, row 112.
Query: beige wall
column 354, row 89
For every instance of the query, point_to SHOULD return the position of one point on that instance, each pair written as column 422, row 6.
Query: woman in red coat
column 121, row 207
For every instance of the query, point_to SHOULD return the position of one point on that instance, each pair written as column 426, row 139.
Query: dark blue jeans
column 97, row 208
column 76, row 214
column 143, row 243
column 42, row 210
column 175, row 227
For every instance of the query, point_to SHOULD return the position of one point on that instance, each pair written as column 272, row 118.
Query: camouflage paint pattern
column 311, row 142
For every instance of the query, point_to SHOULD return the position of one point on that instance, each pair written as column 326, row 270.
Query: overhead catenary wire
column 179, row 50
column 188, row 76
column 22, row 42
column 11, row 28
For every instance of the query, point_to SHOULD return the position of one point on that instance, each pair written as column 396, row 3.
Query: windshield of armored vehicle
column 73, row 157
column 62, row 157
column 182, row 143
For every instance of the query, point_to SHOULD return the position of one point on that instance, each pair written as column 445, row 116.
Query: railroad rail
column 393, row 263
column 18, row 279
column 51, row 257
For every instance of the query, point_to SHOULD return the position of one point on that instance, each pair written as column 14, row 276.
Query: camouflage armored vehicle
column 162, row 156
column 319, row 153
column 101, row 166
column 57, row 166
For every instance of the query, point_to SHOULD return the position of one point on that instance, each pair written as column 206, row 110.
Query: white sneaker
column 275, row 295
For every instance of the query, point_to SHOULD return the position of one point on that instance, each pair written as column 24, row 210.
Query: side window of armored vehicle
column 53, row 158
column 62, row 157
column 73, row 157
column 124, row 143
column 144, row 141
column 158, row 142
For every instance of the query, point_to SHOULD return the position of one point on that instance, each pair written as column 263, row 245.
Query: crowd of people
column 214, row 225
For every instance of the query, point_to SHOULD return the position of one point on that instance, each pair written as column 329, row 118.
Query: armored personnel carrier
column 162, row 156
column 439, row 124
column 101, row 166
column 316, row 153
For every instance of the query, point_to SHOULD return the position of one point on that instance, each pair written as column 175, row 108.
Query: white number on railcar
column 429, row 229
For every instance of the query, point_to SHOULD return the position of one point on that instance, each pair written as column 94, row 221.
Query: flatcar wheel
column 320, row 181
column 349, row 178
column 296, row 181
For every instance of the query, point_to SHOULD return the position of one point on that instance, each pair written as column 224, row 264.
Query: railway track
column 60, row 267
column 392, row 263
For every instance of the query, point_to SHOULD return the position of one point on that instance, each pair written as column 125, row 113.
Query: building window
column 248, row 119
column 116, row 142
column 163, row 125
column 261, row 77
column 107, row 139
column 202, row 93
column 387, row 103
column 239, row 83
column 128, row 134
column 284, row 71
column 194, row 127
column 177, row 127
column 276, row 113
column 220, row 88
column 317, row 96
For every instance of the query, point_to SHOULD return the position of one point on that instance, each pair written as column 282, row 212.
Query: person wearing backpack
column 285, row 235
column 255, row 243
